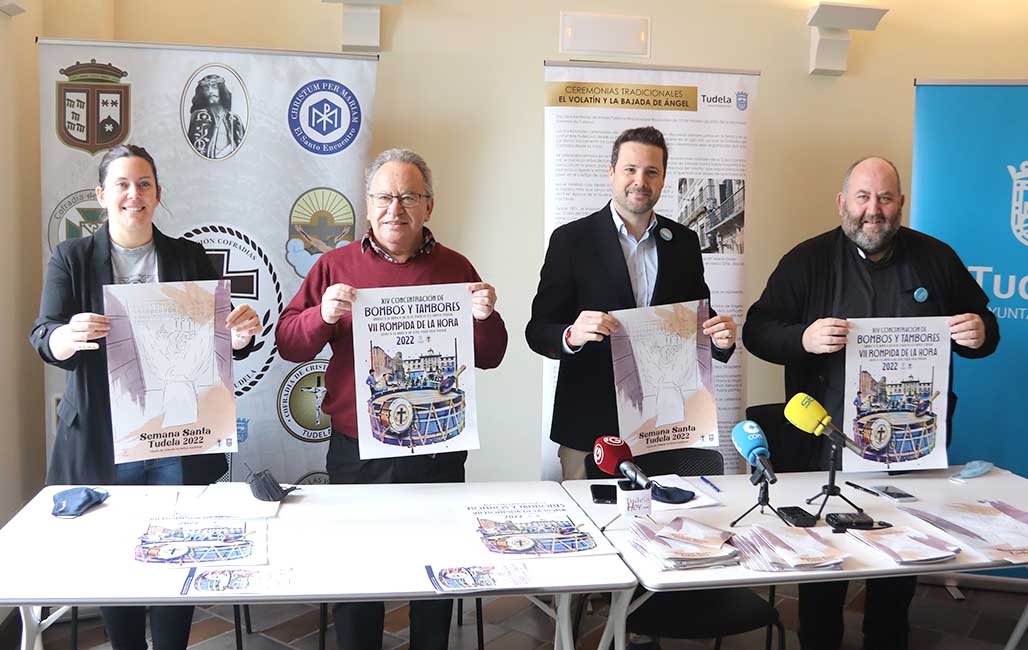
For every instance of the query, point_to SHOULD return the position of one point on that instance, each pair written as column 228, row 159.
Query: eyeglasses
column 408, row 200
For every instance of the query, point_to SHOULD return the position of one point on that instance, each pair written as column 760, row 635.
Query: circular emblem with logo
column 76, row 215
column 241, row 260
column 613, row 441
column 400, row 413
column 171, row 551
column 312, row 478
column 324, row 117
column 881, row 434
column 320, row 220
column 520, row 543
column 215, row 111
column 299, row 402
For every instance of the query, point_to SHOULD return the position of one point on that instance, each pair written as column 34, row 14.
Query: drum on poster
column 410, row 418
column 896, row 436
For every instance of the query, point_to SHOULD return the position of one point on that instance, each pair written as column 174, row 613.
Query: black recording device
column 604, row 493
column 840, row 521
column 796, row 516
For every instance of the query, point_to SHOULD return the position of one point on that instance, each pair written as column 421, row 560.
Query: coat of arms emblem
column 1019, row 202
column 92, row 106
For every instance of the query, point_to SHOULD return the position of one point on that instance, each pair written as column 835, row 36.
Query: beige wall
column 21, row 376
column 461, row 82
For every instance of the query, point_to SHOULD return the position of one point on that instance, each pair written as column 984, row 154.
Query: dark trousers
column 169, row 624
column 886, row 603
column 359, row 625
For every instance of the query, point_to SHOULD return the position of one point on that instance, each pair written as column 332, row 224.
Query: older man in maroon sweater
column 399, row 251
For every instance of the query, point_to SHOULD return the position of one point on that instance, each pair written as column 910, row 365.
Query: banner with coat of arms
column 970, row 135
column 261, row 158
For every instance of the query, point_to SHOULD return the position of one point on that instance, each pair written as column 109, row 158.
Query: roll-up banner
column 261, row 157
column 706, row 118
column 970, row 189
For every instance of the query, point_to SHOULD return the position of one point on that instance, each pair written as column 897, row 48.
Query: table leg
column 31, row 636
column 614, row 630
column 563, row 639
column 1019, row 630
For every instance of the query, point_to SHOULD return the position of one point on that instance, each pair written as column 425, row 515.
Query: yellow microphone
column 806, row 414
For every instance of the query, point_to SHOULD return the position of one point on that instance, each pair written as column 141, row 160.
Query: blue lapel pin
column 920, row 294
column 665, row 234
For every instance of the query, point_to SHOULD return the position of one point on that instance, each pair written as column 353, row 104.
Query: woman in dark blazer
column 69, row 334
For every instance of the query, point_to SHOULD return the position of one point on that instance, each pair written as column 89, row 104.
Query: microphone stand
column 830, row 489
column 763, row 498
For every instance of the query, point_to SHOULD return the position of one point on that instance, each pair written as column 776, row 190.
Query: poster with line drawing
column 663, row 380
column 169, row 362
column 897, row 393
column 414, row 365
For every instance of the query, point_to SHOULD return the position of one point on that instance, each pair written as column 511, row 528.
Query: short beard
column 648, row 206
column 854, row 231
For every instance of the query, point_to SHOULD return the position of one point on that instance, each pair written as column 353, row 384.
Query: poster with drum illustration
column 897, row 379
column 414, row 365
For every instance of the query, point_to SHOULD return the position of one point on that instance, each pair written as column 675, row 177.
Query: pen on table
column 710, row 483
column 861, row 488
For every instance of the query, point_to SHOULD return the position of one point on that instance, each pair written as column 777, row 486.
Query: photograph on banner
column 896, row 399
column 663, row 380
column 215, row 111
column 414, row 364
column 169, row 360
column 706, row 118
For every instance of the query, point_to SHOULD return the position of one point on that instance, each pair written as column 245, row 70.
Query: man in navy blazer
column 621, row 257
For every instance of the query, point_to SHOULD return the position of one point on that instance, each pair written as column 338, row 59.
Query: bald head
column 871, row 205
column 877, row 159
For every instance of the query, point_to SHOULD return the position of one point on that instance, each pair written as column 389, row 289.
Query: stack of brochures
column 786, row 549
column 682, row 543
column 992, row 527
column 907, row 546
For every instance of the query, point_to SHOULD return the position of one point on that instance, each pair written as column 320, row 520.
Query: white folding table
column 340, row 543
column 737, row 494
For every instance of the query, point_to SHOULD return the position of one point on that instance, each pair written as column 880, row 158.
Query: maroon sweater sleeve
column 301, row 333
column 490, row 341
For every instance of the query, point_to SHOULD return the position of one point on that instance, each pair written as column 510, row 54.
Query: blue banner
column 970, row 189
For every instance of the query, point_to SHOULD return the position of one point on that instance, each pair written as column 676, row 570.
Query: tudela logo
column 1019, row 202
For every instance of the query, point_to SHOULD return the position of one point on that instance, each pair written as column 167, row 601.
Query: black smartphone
column 796, row 516
column 844, row 520
column 893, row 492
column 604, row 493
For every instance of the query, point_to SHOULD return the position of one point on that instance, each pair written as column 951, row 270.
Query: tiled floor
column 982, row 621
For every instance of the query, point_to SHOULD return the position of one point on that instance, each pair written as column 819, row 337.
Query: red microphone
column 613, row 457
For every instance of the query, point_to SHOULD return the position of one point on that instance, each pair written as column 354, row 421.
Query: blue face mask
column 973, row 469
column 75, row 501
